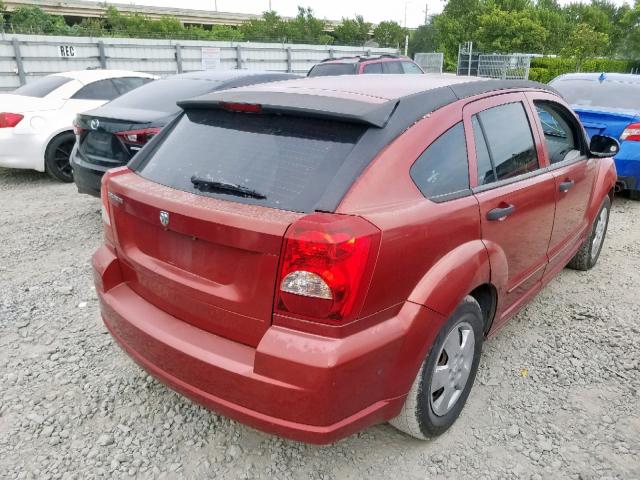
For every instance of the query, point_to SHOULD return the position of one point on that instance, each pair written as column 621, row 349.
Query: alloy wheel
column 452, row 369
column 598, row 236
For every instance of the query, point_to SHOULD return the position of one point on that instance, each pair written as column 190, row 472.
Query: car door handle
column 501, row 213
column 566, row 186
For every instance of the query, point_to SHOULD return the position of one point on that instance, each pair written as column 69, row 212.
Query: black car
column 111, row 135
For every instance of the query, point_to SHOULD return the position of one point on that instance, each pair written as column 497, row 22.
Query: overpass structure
column 74, row 11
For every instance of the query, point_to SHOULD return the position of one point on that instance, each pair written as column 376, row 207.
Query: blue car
column 609, row 104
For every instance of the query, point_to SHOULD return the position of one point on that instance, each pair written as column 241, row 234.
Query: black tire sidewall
column 49, row 161
column 594, row 258
column 431, row 424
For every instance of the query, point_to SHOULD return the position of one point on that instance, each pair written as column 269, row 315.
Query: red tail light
column 106, row 198
column 241, row 107
column 106, row 211
column 138, row 138
column 10, row 120
column 326, row 267
column 631, row 133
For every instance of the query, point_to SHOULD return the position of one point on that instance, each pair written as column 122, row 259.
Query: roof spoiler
column 299, row 104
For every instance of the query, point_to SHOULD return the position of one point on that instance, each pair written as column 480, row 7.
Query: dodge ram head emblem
column 164, row 218
column 94, row 124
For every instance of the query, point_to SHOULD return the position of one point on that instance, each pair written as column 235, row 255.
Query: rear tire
column 430, row 409
column 56, row 157
column 589, row 252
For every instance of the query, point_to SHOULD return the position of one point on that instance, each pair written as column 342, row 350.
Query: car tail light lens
column 242, row 107
column 631, row 133
column 10, row 120
column 326, row 267
column 106, row 211
column 138, row 138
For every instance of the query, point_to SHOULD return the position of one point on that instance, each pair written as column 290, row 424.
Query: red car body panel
column 212, row 334
column 295, row 384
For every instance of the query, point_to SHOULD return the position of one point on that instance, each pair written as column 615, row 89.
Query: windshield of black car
column 162, row 95
column 593, row 93
column 326, row 69
column 289, row 160
column 41, row 87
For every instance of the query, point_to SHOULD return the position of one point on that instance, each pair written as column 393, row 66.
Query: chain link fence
column 505, row 67
column 430, row 62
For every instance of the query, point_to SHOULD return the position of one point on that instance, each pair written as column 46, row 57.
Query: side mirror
column 602, row 146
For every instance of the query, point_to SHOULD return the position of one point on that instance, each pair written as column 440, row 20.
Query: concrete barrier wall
column 26, row 57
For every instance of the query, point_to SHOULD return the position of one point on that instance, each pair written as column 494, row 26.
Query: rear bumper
column 628, row 165
column 87, row 176
column 301, row 386
column 20, row 150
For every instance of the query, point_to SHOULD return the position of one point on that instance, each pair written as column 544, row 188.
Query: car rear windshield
column 162, row 95
column 326, row 69
column 42, row 87
column 607, row 94
column 288, row 160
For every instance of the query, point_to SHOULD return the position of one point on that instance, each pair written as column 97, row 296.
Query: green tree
column 36, row 20
column 352, row 31
column 457, row 24
column 389, row 34
column 424, row 39
column 585, row 42
column 630, row 40
column 513, row 31
column 269, row 28
column 555, row 23
column 306, row 28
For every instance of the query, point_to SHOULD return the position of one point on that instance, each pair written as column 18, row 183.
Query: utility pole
column 426, row 14
column 270, row 6
column 215, row 5
column 406, row 36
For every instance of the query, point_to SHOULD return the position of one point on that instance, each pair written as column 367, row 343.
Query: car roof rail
column 348, row 57
column 362, row 58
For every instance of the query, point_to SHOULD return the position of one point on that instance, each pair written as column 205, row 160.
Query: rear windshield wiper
column 224, row 187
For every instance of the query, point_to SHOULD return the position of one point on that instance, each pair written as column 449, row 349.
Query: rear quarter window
column 442, row 171
column 289, row 160
column 326, row 69
column 42, row 87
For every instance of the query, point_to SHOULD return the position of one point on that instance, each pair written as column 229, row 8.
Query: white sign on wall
column 66, row 51
column 210, row 58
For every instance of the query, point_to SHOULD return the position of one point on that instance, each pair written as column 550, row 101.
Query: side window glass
column 410, row 67
column 559, row 136
column 392, row 67
column 372, row 68
column 485, row 167
column 126, row 84
column 509, row 142
column 100, row 90
column 443, row 168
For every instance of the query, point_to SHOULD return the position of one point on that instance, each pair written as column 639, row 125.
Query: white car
column 36, row 120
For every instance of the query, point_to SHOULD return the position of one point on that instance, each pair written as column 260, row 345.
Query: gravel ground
column 557, row 394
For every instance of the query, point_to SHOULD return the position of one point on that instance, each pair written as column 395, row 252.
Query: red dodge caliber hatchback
column 315, row 256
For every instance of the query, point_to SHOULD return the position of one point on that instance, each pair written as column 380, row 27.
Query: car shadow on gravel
column 14, row 177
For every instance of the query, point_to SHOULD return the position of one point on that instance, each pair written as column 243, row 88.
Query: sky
column 371, row 10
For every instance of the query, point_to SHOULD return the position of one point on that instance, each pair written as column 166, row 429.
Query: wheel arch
column 454, row 276
column 469, row 268
column 604, row 186
column 52, row 136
